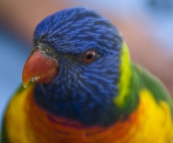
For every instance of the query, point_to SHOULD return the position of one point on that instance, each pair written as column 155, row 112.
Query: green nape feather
column 154, row 85
column 133, row 79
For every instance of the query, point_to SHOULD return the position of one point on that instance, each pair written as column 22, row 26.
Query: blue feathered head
column 87, row 49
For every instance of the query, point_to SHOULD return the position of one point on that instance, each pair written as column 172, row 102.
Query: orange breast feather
column 149, row 123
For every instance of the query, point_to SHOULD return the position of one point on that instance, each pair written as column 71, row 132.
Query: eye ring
column 89, row 56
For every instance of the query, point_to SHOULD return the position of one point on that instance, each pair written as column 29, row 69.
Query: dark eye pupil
column 89, row 56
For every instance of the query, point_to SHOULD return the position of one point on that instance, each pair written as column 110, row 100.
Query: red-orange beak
column 40, row 68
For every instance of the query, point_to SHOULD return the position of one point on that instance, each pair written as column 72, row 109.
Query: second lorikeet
column 86, row 89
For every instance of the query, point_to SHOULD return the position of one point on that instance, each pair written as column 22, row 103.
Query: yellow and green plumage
column 143, row 106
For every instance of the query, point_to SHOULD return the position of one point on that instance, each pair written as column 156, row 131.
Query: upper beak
column 39, row 67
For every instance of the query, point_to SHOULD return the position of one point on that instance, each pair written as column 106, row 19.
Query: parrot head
column 76, row 66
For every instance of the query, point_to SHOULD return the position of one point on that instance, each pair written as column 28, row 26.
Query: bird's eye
column 89, row 56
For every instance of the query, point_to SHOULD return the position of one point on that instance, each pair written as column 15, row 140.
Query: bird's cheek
column 39, row 67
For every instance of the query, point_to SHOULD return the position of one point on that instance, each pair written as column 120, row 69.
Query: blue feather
column 81, row 91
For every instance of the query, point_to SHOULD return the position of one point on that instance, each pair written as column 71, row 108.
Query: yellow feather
column 125, row 75
column 155, row 120
column 16, row 120
column 151, row 122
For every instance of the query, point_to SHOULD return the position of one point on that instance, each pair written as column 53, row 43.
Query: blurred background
column 147, row 26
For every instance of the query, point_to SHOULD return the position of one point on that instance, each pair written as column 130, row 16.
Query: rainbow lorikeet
column 86, row 89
